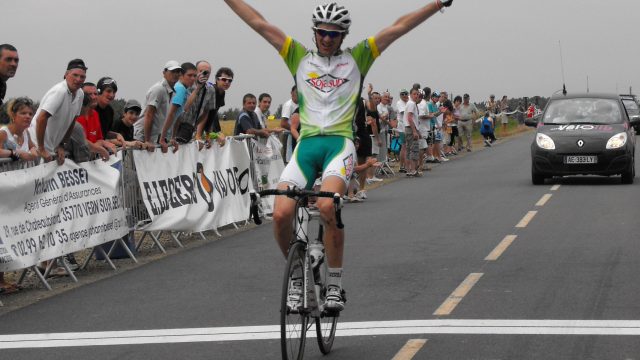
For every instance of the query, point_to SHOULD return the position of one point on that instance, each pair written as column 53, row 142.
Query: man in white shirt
column 383, row 110
column 57, row 112
column 400, row 106
column 157, row 102
column 424, row 126
column 288, row 108
column 264, row 103
column 468, row 112
column 412, row 134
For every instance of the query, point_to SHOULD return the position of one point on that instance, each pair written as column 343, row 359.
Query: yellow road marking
column 410, row 349
column 458, row 294
column 504, row 244
column 525, row 220
column 543, row 200
column 555, row 187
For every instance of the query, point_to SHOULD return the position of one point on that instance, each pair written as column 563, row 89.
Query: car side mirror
column 532, row 121
column 634, row 120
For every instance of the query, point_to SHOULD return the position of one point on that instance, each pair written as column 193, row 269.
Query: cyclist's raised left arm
column 257, row 22
column 407, row 22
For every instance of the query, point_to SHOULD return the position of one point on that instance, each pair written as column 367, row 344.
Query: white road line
column 369, row 328
column 543, row 200
column 555, row 187
column 458, row 294
column 526, row 219
column 410, row 349
column 501, row 248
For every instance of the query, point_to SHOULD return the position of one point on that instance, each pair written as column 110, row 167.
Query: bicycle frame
column 303, row 216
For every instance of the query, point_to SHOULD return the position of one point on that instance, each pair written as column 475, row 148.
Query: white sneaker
column 369, row 181
column 376, row 179
column 443, row 159
column 334, row 300
column 362, row 195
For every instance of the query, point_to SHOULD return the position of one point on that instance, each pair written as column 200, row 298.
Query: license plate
column 581, row 159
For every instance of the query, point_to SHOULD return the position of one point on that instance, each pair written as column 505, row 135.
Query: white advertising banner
column 50, row 210
column 192, row 190
column 268, row 167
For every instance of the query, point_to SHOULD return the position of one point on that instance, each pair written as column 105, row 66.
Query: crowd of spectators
column 76, row 119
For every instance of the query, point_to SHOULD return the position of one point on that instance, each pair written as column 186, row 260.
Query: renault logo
column 580, row 143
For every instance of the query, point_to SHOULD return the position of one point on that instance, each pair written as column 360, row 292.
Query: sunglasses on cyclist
column 224, row 79
column 332, row 34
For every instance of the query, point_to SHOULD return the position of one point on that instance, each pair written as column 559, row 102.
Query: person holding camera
column 197, row 108
column 183, row 98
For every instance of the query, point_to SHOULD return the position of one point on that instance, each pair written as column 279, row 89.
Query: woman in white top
column 14, row 138
column 15, row 144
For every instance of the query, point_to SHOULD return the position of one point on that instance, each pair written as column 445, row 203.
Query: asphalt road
column 456, row 260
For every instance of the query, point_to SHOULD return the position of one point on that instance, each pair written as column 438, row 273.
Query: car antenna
column 564, row 87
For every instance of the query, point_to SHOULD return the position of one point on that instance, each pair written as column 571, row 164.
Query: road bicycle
column 305, row 264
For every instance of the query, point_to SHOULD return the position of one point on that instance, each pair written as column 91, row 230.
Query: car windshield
column 631, row 106
column 583, row 111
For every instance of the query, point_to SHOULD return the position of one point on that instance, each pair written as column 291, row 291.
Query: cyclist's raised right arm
column 257, row 22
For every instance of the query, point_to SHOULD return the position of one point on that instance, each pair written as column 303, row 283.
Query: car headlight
column 545, row 142
column 617, row 141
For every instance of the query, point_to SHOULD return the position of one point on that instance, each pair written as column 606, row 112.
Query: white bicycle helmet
column 332, row 14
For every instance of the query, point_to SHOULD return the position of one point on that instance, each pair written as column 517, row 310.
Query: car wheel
column 629, row 176
column 536, row 178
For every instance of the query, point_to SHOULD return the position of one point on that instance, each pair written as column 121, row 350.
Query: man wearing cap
column 8, row 66
column 432, row 114
column 492, row 105
column 124, row 125
column 184, row 97
column 468, row 112
column 149, row 126
column 57, row 112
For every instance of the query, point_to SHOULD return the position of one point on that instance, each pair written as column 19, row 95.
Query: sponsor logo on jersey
column 326, row 83
column 347, row 170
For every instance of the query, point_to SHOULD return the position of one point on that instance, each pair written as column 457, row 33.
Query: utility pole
column 587, row 83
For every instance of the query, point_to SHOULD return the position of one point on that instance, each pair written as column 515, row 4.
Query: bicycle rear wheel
column 293, row 322
column 327, row 322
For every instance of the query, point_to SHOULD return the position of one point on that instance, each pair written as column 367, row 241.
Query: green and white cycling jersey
column 328, row 87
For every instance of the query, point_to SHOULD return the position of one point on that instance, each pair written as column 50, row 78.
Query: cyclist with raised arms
column 329, row 82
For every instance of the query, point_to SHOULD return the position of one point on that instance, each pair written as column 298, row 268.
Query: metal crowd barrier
column 10, row 165
column 136, row 212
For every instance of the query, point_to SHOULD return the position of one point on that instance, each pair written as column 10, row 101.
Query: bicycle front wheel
column 293, row 319
column 327, row 322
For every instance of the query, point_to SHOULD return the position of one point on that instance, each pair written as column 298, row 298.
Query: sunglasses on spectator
column 225, row 79
column 332, row 34
column 404, row 94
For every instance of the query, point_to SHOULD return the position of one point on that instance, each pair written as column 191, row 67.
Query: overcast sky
column 504, row 47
